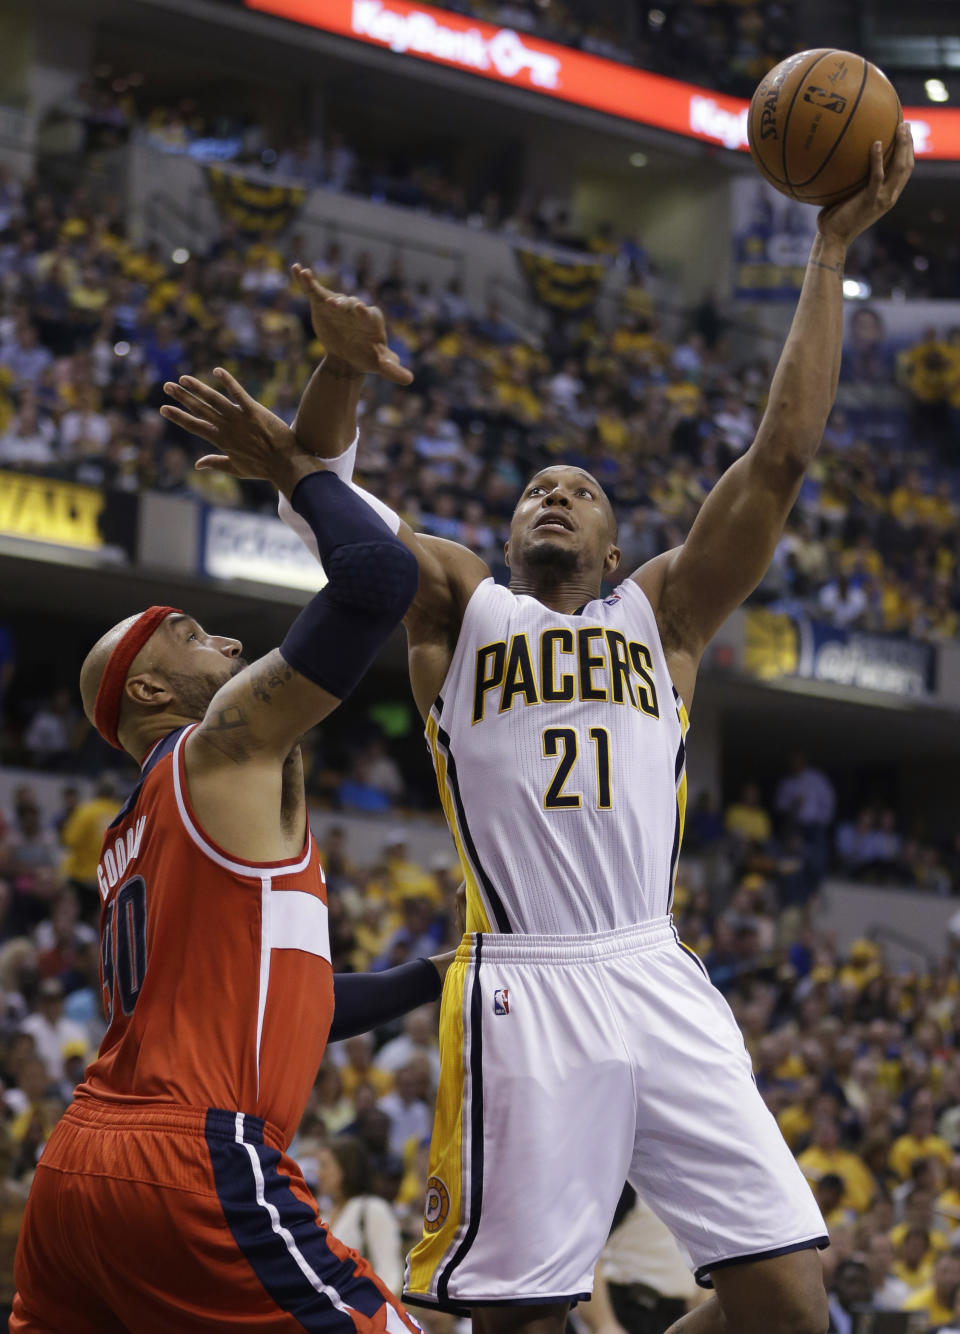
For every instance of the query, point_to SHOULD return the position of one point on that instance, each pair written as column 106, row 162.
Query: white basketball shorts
column 568, row 1065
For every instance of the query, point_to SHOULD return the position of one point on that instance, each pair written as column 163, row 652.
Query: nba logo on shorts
column 501, row 1001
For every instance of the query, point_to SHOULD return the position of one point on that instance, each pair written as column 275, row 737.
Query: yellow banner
column 48, row 511
column 772, row 647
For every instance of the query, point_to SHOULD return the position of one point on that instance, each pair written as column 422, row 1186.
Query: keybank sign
column 420, row 33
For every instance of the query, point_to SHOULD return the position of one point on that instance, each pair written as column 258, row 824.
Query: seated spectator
column 829, row 1192
column 889, row 1292
column 81, row 837
column 948, row 1201
column 361, row 1219
column 408, row 1106
column 29, row 441
column 915, row 1259
column 937, row 1299
column 26, row 357
column 825, row 1156
column 418, row 1039
column 407, row 879
column 328, row 1103
column 61, row 938
column 51, row 734
column 373, row 1127
column 851, row 1291
column 358, row 1067
column 844, row 603
column 748, row 819
column 919, row 1141
column 50, row 1029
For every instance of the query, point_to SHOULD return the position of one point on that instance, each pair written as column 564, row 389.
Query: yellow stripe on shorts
column 444, row 1198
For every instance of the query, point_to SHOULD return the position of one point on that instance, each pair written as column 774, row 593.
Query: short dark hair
column 354, row 1163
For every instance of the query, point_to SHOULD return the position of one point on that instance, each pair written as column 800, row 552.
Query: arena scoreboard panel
column 421, row 32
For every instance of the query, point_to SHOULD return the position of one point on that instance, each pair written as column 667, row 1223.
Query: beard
column 552, row 560
column 195, row 691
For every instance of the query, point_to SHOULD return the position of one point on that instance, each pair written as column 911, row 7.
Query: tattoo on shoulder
column 225, row 730
column 269, row 676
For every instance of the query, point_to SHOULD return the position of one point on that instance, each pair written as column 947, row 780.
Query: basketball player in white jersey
column 580, row 1042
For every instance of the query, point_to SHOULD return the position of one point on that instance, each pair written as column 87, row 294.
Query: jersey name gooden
column 558, row 743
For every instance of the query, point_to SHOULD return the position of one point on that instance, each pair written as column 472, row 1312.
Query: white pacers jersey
column 558, row 742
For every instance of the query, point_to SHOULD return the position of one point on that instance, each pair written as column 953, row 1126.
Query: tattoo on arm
column 271, row 675
column 831, row 268
column 226, row 720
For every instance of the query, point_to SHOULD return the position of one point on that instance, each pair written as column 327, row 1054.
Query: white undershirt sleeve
column 342, row 466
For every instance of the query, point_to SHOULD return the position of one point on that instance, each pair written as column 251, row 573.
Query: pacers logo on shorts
column 437, row 1205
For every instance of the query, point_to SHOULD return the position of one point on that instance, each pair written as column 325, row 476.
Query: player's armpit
column 449, row 576
column 260, row 713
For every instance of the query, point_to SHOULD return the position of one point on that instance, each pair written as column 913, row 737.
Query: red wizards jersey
column 216, row 975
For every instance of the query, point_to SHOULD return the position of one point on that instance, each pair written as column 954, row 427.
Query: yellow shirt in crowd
column 82, row 837
column 906, row 1150
column 859, row 1185
column 750, row 822
column 925, row 1299
column 938, row 1241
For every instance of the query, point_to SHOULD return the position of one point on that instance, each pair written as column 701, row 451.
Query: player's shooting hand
column 350, row 331
column 843, row 222
column 251, row 441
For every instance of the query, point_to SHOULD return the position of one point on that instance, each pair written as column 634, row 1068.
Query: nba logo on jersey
column 501, row 1001
column 612, row 600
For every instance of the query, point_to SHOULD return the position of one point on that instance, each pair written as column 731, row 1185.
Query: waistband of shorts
column 174, row 1118
column 568, row 949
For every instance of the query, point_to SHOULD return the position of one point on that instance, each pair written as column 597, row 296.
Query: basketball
column 812, row 121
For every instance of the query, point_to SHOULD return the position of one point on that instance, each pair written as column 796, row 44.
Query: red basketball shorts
column 147, row 1221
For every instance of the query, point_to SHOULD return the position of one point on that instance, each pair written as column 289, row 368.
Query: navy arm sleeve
column 363, row 1001
column 372, row 581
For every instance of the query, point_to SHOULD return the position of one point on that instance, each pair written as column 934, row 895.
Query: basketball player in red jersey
column 164, row 1200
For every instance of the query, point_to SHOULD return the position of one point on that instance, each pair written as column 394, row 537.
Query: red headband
column 106, row 710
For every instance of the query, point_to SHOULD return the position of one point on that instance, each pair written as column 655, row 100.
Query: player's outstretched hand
column 351, row 331
column 251, row 441
column 845, row 221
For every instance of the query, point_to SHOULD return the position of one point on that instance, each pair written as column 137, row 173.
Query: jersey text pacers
column 591, row 663
column 558, row 742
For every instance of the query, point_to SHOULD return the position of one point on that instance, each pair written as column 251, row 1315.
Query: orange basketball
column 813, row 119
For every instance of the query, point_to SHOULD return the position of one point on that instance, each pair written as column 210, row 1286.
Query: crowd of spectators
column 778, row 843
column 859, row 1064
column 91, row 326
column 857, row 1059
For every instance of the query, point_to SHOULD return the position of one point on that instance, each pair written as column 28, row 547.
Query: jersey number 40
column 123, row 947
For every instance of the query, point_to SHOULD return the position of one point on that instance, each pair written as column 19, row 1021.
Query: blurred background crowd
column 91, row 326
column 857, row 1060
column 656, row 387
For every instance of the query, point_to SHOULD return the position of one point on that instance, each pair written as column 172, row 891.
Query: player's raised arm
column 448, row 572
column 695, row 587
column 372, row 577
column 356, row 336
